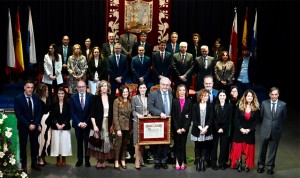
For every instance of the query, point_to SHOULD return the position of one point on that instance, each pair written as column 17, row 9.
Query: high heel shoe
column 177, row 168
column 183, row 167
column 138, row 168
column 124, row 166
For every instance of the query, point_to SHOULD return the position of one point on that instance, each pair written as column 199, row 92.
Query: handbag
column 95, row 141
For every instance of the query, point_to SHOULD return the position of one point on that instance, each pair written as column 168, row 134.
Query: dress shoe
column 36, row 167
column 246, row 169
column 183, row 167
column 138, row 168
column 214, row 167
column 270, row 171
column 87, row 164
column 260, row 170
column 124, row 166
column 222, row 167
column 143, row 165
column 116, row 168
column 164, row 166
column 78, row 163
column 156, row 166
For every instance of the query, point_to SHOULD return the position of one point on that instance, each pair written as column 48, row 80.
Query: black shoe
column 138, row 168
column 156, row 166
column 78, row 163
column 214, row 167
column 246, row 169
column 208, row 163
column 36, row 167
column 270, row 171
column 260, row 170
column 164, row 166
column 239, row 168
column 124, row 166
column 87, row 164
column 223, row 166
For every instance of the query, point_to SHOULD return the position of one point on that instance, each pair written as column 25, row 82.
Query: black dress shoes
column 214, row 167
column 87, row 164
column 124, row 166
column 78, row 163
column 36, row 167
column 164, row 166
column 260, row 170
column 246, row 169
column 270, row 171
column 156, row 166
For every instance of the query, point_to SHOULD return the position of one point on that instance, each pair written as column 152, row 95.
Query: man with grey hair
column 183, row 65
column 159, row 104
column 204, row 65
column 108, row 47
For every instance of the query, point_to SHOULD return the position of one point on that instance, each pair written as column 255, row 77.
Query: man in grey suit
column 273, row 114
column 159, row 104
column 127, row 40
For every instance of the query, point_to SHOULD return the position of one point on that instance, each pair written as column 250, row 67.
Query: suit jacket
column 60, row 118
column 138, row 107
column 97, row 110
column 48, row 69
column 101, row 69
column 253, row 71
column 200, row 70
column 148, row 49
column 241, row 122
column 196, row 118
column 123, row 41
column 60, row 50
column 181, row 119
column 140, row 69
column 272, row 127
column 161, row 67
column 116, row 71
column 106, row 50
column 155, row 102
column 77, row 114
column 222, row 117
column 170, row 49
column 121, row 116
column 183, row 69
column 22, row 111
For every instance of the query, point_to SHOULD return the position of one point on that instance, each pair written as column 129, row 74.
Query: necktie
column 65, row 54
column 118, row 59
column 162, row 56
column 273, row 109
column 205, row 63
column 174, row 47
column 182, row 59
column 211, row 97
column 82, row 101
column 30, row 105
column 195, row 51
column 166, row 104
column 141, row 58
column 111, row 46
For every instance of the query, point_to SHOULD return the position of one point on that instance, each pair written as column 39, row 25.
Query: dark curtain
column 277, row 33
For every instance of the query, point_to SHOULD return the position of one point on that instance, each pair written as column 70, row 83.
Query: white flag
column 30, row 41
column 10, row 45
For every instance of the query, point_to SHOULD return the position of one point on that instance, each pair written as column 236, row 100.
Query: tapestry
column 151, row 16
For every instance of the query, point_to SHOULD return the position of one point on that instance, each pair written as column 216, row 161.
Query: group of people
column 219, row 116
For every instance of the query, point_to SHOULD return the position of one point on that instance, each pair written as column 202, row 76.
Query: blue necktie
column 166, row 107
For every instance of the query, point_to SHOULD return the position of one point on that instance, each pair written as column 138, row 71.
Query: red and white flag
column 233, row 47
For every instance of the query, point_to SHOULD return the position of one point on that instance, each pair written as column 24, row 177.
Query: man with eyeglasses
column 81, row 121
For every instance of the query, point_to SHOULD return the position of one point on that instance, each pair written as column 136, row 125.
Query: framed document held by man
column 154, row 130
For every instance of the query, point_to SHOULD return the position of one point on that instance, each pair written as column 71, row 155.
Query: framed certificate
column 154, row 130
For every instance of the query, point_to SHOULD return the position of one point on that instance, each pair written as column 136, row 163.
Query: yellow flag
column 18, row 46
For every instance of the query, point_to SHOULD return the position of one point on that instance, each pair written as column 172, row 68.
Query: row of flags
column 233, row 47
column 15, row 58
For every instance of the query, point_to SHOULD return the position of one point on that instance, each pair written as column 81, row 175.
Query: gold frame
column 165, row 140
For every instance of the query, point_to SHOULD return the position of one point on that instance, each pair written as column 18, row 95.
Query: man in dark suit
column 159, row 104
column 173, row 47
column 204, row 65
column 246, row 71
column 108, row 47
column 81, row 121
column 28, row 111
column 162, row 63
column 117, row 69
column 183, row 64
column 143, row 42
column 273, row 114
column 140, row 67
column 65, row 50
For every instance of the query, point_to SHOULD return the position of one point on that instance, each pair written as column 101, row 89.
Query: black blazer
column 160, row 67
column 101, row 69
column 60, row 118
column 22, row 111
column 148, row 49
column 116, row 71
column 181, row 119
column 97, row 110
column 196, row 119
column 222, row 118
column 140, row 69
column 241, row 122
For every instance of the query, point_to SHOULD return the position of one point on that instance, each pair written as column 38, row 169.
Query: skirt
column 61, row 143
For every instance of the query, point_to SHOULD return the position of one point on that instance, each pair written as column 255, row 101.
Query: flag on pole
column 245, row 31
column 30, row 41
column 10, row 61
column 18, row 48
column 254, row 37
column 233, row 49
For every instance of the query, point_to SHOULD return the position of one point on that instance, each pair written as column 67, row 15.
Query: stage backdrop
column 152, row 16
